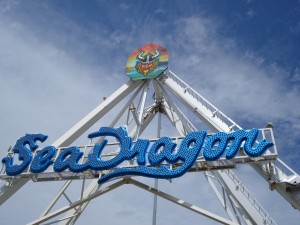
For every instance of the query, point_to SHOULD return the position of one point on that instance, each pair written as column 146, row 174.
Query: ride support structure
column 135, row 110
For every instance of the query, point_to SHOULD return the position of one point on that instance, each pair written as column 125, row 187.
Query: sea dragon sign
column 156, row 161
column 151, row 161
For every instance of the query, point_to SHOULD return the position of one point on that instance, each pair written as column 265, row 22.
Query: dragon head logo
column 147, row 63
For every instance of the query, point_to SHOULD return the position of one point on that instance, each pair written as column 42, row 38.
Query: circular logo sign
column 147, row 62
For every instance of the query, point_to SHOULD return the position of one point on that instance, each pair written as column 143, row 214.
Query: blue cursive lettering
column 161, row 154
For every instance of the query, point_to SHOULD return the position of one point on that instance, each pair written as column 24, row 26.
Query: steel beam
column 77, row 203
column 6, row 191
column 96, row 114
column 181, row 203
column 244, row 205
column 93, row 186
column 222, row 198
column 217, row 120
column 156, row 180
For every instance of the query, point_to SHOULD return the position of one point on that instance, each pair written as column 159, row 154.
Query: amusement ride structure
column 134, row 109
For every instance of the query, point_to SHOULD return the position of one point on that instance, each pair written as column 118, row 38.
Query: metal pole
column 156, row 180
column 143, row 101
column 94, row 185
column 182, row 203
column 78, row 203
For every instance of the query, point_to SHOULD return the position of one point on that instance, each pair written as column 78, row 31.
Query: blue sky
column 59, row 58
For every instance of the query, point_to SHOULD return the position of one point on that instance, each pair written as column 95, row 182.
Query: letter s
column 25, row 154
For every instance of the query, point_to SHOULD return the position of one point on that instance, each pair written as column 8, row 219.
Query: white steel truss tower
column 136, row 109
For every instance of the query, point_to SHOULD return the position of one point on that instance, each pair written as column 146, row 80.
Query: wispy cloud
column 250, row 13
column 124, row 6
column 159, row 10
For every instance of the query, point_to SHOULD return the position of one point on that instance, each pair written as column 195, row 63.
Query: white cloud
column 6, row 5
column 250, row 13
column 124, row 6
column 296, row 75
column 160, row 10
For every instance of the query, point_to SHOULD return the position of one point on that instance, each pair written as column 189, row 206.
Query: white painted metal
column 143, row 99
column 96, row 114
column 203, row 109
column 7, row 190
column 93, row 186
column 288, row 185
column 222, row 198
column 156, row 180
column 181, row 202
column 77, row 203
column 247, row 209
column 54, row 200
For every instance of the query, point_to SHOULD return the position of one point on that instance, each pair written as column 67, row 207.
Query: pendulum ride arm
column 286, row 185
column 7, row 190
column 238, row 197
column 95, row 187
